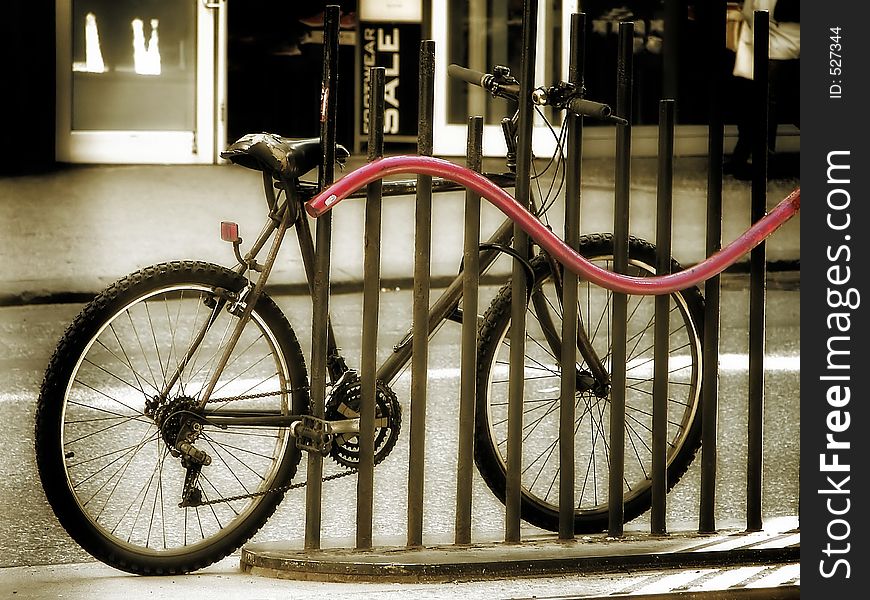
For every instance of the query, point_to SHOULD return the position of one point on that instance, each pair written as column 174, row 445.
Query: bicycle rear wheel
column 542, row 373
column 105, row 447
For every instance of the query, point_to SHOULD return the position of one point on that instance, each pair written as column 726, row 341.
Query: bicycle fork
column 600, row 378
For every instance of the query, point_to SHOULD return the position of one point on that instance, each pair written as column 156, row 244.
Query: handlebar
column 589, row 108
column 467, row 75
column 489, row 82
column 507, row 87
column 597, row 110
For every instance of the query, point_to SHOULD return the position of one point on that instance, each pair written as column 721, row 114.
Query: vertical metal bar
column 420, row 310
column 616, row 509
column 712, row 287
column 320, row 317
column 358, row 92
column 569, row 286
column 468, row 376
column 664, row 212
column 328, row 95
column 757, row 276
column 371, row 297
column 513, row 490
column 334, row 364
column 552, row 59
column 671, row 47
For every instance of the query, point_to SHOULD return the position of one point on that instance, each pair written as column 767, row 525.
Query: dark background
column 829, row 125
column 270, row 89
column 27, row 102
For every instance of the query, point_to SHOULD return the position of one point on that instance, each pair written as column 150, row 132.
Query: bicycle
column 173, row 413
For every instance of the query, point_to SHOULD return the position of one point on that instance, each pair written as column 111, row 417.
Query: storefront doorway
column 274, row 66
column 140, row 82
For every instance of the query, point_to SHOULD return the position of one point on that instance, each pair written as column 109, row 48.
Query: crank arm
column 317, row 435
column 307, row 424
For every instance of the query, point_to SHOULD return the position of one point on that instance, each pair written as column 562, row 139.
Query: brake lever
column 501, row 83
column 567, row 96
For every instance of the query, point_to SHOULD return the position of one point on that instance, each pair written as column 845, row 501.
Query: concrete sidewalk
column 727, row 565
column 70, row 232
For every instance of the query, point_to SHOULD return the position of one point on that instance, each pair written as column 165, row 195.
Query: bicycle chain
column 281, row 489
column 275, row 490
column 246, row 397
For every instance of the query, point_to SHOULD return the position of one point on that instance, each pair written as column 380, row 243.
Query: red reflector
column 229, row 231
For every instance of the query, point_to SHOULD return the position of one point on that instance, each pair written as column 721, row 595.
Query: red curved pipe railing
column 659, row 284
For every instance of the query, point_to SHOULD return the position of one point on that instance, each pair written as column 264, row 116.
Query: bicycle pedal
column 313, row 435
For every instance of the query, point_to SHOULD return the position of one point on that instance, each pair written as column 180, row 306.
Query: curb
column 531, row 559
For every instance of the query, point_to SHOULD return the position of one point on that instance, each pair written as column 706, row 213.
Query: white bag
column 743, row 61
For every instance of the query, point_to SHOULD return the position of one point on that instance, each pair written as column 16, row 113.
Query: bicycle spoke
column 546, row 403
column 103, row 430
column 110, row 374
column 117, row 476
column 126, row 360
column 125, row 452
column 239, row 375
column 217, row 445
column 211, row 361
column 156, row 343
column 153, row 383
column 592, row 419
column 136, row 413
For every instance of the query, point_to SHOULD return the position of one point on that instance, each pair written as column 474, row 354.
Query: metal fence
column 424, row 323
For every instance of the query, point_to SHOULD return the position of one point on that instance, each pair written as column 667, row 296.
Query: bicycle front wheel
column 109, row 414
column 542, row 374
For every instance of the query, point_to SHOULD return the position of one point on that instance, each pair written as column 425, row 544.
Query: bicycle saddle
column 283, row 157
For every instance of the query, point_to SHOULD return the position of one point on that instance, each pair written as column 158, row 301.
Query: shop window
column 133, row 65
column 489, row 32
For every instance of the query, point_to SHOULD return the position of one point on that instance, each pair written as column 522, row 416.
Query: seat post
column 269, row 190
column 509, row 130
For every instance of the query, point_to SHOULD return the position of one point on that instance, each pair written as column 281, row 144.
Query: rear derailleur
column 179, row 427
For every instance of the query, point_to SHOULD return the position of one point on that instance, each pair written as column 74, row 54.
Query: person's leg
column 774, row 97
column 739, row 159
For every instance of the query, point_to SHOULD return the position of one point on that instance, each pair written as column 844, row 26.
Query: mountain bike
column 175, row 408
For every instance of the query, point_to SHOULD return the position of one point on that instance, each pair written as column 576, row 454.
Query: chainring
column 344, row 403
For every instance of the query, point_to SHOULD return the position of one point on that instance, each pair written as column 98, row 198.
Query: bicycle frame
column 281, row 218
column 445, row 307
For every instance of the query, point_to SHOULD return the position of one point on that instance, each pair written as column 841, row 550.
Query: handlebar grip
column 589, row 108
column 467, row 75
